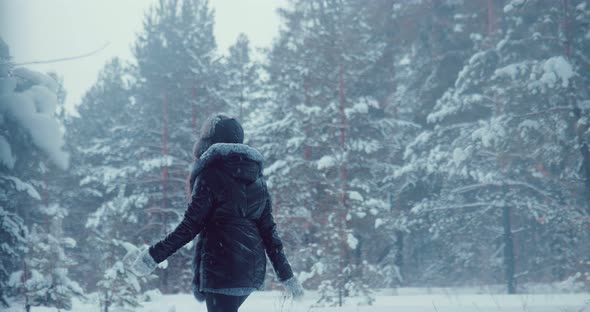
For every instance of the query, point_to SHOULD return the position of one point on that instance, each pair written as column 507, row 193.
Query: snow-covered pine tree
column 178, row 85
column 13, row 232
column 330, row 119
column 502, row 150
column 241, row 87
column 44, row 280
column 49, row 253
column 118, row 288
column 577, row 42
column 12, row 227
column 575, row 26
column 390, row 80
column 275, row 129
column 285, row 135
column 429, row 55
column 296, row 73
column 31, row 141
column 559, row 157
column 101, row 140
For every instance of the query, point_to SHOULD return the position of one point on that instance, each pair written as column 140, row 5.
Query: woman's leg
column 224, row 303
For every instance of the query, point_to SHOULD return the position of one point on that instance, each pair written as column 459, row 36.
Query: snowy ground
column 272, row 301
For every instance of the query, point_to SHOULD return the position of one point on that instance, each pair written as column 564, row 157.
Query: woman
column 231, row 209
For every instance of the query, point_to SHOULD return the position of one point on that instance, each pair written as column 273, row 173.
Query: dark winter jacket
column 231, row 208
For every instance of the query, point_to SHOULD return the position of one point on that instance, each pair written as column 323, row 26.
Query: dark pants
column 223, row 303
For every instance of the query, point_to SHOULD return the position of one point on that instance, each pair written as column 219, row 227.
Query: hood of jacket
column 241, row 161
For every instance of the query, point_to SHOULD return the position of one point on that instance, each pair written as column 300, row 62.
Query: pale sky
column 38, row 30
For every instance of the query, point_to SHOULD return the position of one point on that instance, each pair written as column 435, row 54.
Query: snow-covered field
column 406, row 302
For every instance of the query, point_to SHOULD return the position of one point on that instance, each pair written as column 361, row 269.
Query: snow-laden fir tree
column 118, row 289
column 12, row 227
column 576, row 42
column 429, row 55
column 390, row 80
column 13, row 233
column 101, row 139
column 30, row 135
column 295, row 69
column 45, row 280
column 334, row 128
column 178, row 85
column 504, row 154
column 241, row 88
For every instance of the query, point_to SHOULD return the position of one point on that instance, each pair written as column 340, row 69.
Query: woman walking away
column 231, row 209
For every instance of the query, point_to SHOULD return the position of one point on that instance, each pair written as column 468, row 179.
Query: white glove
column 293, row 287
column 144, row 264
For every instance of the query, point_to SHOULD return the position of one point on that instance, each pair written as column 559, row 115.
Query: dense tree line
column 407, row 143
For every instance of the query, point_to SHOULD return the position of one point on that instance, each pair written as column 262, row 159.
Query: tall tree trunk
column 307, row 148
column 491, row 22
column 107, row 300
column 241, row 118
column 509, row 261
column 23, row 279
column 194, row 110
column 344, row 169
column 164, row 149
column 344, row 177
column 164, row 180
column 398, row 260
column 194, row 128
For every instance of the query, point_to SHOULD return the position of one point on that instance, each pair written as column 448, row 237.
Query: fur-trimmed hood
column 239, row 160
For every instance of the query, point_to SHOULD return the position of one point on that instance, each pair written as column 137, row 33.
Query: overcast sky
column 48, row 29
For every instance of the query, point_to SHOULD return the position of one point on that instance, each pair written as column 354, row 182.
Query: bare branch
column 64, row 59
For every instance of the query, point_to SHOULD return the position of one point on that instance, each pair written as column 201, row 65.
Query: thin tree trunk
column 491, row 22
column 194, row 128
column 307, row 148
column 164, row 180
column 164, row 149
column 509, row 261
column 344, row 177
column 242, row 95
column 194, row 110
column 107, row 301
column 398, row 260
column 23, row 279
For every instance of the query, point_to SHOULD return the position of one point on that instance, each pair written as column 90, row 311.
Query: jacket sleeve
column 192, row 223
column 273, row 244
